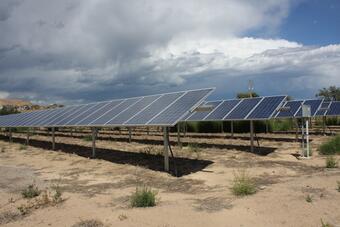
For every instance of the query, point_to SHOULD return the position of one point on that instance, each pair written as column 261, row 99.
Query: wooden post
column 129, row 135
column 232, row 129
column 166, row 149
column 53, row 138
column 179, row 144
column 94, row 135
column 28, row 137
column 252, row 136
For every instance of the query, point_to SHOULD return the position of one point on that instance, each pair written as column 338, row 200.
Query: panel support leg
column 28, row 137
column 252, row 136
column 324, row 125
column 94, row 135
column 53, row 138
column 130, row 139
column 307, row 138
column 232, row 129
column 267, row 127
column 179, row 144
column 10, row 135
column 147, row 130
column 296, row 130
column 166, row 149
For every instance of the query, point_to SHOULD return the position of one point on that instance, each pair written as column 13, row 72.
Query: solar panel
column 200, row 115
column 164, row 109
column 289, row 109
column 222, row 110
column 315, row 105
column 334, row 109
column 266, row 108
column 323, row 109
column 241, row 111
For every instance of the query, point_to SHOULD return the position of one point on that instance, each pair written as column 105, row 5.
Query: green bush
column 87, row 138
column 331, row 162
column 143, row 197
column 31, row 191
column 243, row 184
column 281, row 124
column 332, row 146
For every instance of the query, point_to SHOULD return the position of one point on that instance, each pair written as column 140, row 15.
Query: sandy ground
column 100, row 188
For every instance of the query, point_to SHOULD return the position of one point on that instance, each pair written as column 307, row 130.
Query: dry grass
column 89, row 223
column 243, row 184
column 9, row 216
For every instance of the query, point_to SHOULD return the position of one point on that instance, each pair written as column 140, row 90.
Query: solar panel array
column 260, row 108
column 158, row 110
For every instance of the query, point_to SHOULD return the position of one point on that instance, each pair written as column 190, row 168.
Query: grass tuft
column 143, row 197
column 309, row 199
column 331, row 162
column 243, row 184
column 338, row 188
column 331, row 147
column 87, row 138
column 31, row 191
column 8, row 216
column 89, row 223
column 323, row 224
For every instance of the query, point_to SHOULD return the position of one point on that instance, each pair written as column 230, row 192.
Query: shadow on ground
column 184, row 166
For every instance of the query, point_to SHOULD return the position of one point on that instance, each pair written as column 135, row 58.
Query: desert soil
column 101, row 188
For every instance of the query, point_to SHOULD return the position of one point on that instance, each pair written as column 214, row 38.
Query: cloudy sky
column 71, row 51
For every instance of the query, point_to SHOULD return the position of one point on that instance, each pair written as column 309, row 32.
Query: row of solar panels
column 262, row 108
column 160, row 110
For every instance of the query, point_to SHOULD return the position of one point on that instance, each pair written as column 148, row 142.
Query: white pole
column 303, row 139
column 252, row 136
column 166, row 149
column 53, row 138
column 307, row 137
column 94, row 132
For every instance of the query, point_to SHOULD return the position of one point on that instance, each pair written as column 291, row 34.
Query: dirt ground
column 100, row 188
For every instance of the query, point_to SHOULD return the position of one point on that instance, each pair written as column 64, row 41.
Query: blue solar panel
column 323, row 109
column 334, row 109
column 52, row 121
column 18, row 117
column 290, row 109
column 125, row 115
column 242, row 109
column 119, row 108
column 86, row 112
column 178, row 109
column 266, row 108
column 200, row 115
column 152, row 110
column 70, row 116
column 314, row 105
column 38, row 114
column 222, row 110
column 100, row 112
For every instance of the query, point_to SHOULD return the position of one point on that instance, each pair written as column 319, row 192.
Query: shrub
column 57, row 196
column 87, row 138
column 143, row 197
column 89, row 223
column 332, row 146
column 243, row 184
column 331, row 162
column 31, row 191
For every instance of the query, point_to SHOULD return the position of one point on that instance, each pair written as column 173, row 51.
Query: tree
column 5, row 110
column 330, row 94
column 242, row 95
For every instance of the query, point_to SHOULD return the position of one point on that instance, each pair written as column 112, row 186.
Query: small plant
column 309, row 199
column 8, row 216
column 338, row 188
column 122, row 217
column 31, row 191
column 148, row 150
column 243, row 184
column 2, row 150
column 23, row 147
column 331, row 162
column 87, row 138
column 194, row 149
column 89, row 223
column 143, row 197
column 57, row 196
column 323, row 224
column 23, row 209
column 330, row 147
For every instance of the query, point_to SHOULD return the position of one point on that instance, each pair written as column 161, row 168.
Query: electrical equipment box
column 306, row 111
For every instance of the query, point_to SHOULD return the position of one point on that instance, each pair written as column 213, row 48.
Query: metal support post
column 179, row 136
column 267, row 127
column 53, row 138
column 10, row 135
column 252, row 136
column 94, row 135
column 129, row 135
column 28, row 137
column 166, row 149
column 232, row 129
column 324, row 125
column 307, row 137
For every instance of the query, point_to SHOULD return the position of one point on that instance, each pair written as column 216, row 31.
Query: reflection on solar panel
column 334, row 109
column 289, row 109
column 159, row 110
column 259, row 108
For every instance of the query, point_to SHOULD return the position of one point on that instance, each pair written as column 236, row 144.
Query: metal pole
column 307, row 137
column 94, row 134
column 267, row 127
column 53, row 138
column 166, row 149
column 10, row 135
column 232, row 129
column 296, row 130
column 303, row 137
column 179, row 136
column 324, row 125
column 222, row 127
column 252, row 136
column 129, row 135
column 28, row 137
column 147, row 130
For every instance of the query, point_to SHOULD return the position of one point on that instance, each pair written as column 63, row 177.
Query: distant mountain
column 14, row 102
